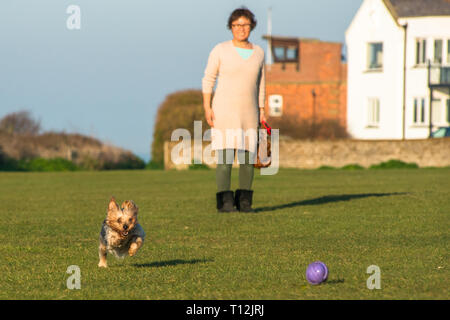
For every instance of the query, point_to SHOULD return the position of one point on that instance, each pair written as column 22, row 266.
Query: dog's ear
column 113, row 206
column 130, row 205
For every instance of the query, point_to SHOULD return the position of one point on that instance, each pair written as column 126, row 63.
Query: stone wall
column 314, row 154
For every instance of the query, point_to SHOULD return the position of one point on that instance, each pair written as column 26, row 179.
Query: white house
column 398, row 69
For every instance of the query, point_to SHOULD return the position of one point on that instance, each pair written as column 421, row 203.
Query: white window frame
column 447, row 110
column 421, row 56
column 370, row 59
column 442, row 51
column 419, row 109
column 373, row 112
column 446, row 46
column 439, row 111
column 275, row 102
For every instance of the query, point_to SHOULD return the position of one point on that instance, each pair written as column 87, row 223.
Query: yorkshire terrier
column 121, row 233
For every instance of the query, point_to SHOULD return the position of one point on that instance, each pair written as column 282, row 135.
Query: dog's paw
column 133, row 249
column 102, row 264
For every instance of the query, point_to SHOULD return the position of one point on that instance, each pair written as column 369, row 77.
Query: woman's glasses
column 243, row 26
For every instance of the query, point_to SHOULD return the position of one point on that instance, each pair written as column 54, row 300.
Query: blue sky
column 108, row 78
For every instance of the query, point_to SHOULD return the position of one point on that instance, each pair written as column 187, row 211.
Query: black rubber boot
column 225, row 201
column 243, row 200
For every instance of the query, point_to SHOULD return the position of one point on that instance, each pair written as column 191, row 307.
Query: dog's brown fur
column 121, row 233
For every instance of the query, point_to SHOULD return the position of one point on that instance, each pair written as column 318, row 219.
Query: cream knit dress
column 240, row 91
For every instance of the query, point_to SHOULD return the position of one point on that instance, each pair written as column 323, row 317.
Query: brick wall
column 320, row 69
column 318, row 61
column 298, row 101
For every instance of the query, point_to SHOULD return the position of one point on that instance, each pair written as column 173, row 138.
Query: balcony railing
column 438, row 76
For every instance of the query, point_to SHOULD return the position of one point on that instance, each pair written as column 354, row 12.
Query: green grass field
column 396, row 219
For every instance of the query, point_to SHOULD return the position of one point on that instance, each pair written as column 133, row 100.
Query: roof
column 285, row 38
column 293, row 39
column 418, row 8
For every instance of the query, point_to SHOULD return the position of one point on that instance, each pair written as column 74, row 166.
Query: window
column 285, row 53
column 375, row 56
column 373, row 112
column 421, row 51
column 292, row 53
column 448, row 51
column 275, row 105
column 441, row 112
column 448, row 111
column 438, row 51
column 419, row 111
column 278, row 53
column 436, row 111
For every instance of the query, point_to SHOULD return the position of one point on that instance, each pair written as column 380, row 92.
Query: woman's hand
column 209, row 115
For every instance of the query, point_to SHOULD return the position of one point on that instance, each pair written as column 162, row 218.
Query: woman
column 237, row 108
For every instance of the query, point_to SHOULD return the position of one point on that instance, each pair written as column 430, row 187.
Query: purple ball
column 317, row 272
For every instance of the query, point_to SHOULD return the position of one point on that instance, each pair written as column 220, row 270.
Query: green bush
column 10, row 164
column 153, row 165
column 179, row 110
column 89, row 163
column 352, row 167
column 102, row 162
column 326, row 168
column 198, row 166
column 394, row 164
column 41, row 164
column 59, row 164
column 37, row 164
column 125, row 164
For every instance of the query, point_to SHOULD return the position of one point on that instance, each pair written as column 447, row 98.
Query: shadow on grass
column 337, row 281
column 175, row 262
column 327, row 199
